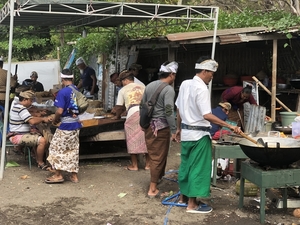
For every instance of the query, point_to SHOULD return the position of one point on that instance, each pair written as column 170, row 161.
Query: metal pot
column 283, row 86
column 295, row 83
column 276, row 152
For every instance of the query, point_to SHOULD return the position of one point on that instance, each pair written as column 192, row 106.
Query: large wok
column 277, row 152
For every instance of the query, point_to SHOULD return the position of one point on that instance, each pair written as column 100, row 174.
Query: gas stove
column 275, row 180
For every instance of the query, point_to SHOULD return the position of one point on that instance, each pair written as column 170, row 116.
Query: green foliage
column 29, row 43
column 32, row 43
column 95, row 43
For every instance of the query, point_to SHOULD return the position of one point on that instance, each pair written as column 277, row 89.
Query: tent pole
column 117, row 63
column 214, row 42
column 11, row 29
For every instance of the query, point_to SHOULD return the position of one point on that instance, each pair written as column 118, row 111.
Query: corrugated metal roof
column 227, row 33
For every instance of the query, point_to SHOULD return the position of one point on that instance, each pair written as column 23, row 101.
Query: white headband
column 79, row 61
column 170, row 68
column 66, row 76
column 209, row 64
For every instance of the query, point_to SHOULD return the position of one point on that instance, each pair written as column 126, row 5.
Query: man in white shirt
column 193, row 125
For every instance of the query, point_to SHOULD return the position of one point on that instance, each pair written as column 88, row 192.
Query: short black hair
column 247, row 89
column 113, row 74
column 164, row 74
column 21, row 98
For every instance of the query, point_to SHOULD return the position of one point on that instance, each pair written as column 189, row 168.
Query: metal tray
column 286, row 130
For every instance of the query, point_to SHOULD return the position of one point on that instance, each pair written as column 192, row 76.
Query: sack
column 81, row 100
column 146, row 110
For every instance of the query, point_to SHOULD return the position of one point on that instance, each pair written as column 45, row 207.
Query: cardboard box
column 41, row 100
column 56, row 88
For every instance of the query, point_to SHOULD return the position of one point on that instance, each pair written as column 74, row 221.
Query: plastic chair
column 27, row 149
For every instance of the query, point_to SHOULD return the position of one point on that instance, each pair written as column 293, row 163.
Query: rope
column 175, row 197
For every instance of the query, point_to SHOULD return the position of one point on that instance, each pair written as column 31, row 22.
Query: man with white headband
column 193, row 125
column 64, row 146
column 162, row 124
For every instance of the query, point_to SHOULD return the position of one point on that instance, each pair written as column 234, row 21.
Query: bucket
column 268, row 126
column 295, row 129
column 250, row 189
column 287, row 118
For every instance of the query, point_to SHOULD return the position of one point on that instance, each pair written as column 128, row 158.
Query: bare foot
column 183, row 199
column 147, row 167
column 153, row 194
column 131, row 168
column 74, row 178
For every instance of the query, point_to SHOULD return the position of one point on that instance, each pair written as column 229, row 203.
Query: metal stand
column 277, row 178
column 225, row 151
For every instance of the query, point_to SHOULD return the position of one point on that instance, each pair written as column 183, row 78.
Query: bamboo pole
column 274, row 81
column 267, row 90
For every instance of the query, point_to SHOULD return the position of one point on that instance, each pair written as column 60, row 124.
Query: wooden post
column 274, row 81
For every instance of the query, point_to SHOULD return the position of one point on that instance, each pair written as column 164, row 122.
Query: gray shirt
column 164, row 107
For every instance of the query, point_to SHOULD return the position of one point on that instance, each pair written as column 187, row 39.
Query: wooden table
column 97, row 126
column 105, row 130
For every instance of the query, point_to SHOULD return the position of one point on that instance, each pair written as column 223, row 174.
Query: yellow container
column 250, row 189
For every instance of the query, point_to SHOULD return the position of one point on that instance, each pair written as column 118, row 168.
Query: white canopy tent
column 82, row 13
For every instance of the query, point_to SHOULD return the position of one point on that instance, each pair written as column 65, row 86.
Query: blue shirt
column 65, row 100
column 218, row 112
column 87, row 81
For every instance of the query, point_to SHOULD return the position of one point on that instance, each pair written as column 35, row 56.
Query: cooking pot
column 283, row 86
column 276, row 152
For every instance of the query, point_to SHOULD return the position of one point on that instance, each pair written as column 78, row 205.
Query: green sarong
column 195, row 168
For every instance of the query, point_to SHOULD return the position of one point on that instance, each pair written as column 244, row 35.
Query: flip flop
column 201, row 209
column 44, row 167
column 53, row 180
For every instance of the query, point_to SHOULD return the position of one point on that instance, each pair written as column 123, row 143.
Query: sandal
column 44, row 167
column 54, row 180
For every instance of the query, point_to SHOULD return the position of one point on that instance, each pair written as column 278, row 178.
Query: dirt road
column 109, row 194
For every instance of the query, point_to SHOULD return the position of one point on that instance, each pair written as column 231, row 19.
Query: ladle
column 259, row 141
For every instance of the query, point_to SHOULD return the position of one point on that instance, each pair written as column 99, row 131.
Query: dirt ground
column 107, row 194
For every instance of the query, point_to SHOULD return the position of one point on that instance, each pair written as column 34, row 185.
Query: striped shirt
column 19, row 117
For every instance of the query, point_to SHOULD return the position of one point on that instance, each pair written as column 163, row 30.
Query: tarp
column 48, row 71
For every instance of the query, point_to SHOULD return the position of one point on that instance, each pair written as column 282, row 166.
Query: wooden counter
column 105, row 130
column 102, row 125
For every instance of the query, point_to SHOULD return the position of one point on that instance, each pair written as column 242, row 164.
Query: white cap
column 79, row 61
column 209, row 64
column 169, row 68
